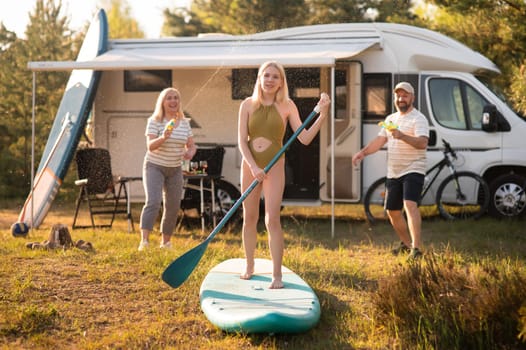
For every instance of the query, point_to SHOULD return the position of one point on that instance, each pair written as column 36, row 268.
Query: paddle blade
column 179, row 270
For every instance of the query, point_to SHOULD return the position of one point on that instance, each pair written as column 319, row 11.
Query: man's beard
column 402, row 108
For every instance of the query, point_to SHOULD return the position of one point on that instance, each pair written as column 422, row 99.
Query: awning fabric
column 218, row 53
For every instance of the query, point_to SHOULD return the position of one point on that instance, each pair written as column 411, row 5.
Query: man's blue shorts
column 408, row 187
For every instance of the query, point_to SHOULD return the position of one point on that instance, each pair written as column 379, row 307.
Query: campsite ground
column 113, row 296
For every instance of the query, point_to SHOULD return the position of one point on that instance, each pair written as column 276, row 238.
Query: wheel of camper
column 464, row 195
column 508, row 198
column 226, row 196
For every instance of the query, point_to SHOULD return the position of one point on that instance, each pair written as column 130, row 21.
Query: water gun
column 390, row 126
column 170, row 125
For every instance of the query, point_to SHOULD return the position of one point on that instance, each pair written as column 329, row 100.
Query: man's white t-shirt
column 403, row 158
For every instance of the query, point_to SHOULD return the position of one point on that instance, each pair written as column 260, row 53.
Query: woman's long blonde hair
column 281, row 95
column 158, row 112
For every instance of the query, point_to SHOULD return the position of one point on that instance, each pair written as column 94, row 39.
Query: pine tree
column 120, row 22
column 47, row 38
column 251, row 16
column 495, row 28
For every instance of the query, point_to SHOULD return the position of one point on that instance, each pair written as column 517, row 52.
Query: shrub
column 441, row 303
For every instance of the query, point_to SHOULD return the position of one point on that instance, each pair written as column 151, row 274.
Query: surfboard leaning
column 68, row 126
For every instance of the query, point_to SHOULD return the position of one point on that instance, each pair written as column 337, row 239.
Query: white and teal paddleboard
column 68, row 126
column 249, row 306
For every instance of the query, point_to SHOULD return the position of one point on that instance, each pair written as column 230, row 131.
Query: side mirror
column 490, row 121
column 432, row 138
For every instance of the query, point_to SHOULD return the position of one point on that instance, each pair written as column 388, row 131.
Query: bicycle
column 461, row 195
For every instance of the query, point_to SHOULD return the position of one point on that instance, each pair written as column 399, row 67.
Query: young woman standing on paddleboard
column 263, row 118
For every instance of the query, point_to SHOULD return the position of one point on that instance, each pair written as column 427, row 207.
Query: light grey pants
column 161, row 185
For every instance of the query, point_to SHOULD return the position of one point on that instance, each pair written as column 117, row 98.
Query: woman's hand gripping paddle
column 179, row 270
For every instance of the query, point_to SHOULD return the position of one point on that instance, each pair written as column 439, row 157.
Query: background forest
column 495, row 28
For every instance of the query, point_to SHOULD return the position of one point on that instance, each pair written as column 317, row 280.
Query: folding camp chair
column 98, row 188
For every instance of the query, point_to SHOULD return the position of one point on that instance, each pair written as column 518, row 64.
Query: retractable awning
column 218, row 53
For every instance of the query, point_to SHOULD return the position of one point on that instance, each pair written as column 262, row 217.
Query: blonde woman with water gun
column 169, row 141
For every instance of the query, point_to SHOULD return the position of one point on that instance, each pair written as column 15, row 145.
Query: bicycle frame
column 451, row 206
column 437, row 168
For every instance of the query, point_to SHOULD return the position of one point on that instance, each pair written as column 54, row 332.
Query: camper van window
column 475, row 103
column 303, row 82
column 243, row 81
column 147, row 80
column 340, row 99
column 455, row 104
column 378, row 100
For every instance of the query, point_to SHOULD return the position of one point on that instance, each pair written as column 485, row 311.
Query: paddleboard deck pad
column 249, row 306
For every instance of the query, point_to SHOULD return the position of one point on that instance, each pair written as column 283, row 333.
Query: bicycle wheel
column 464, row 196
column 373, row 202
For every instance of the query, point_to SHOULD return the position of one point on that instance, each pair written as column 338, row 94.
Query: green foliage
column 337, row 11
column 181, row 22
column 522, row 323
column 47, row 38
column 251, row 16
column 495, row 28
column 120, row 22
column 448, row 303
column 32, row 320
column 234, row 17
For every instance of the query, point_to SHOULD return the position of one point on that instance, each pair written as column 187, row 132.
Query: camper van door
column 455, row 104
column 347, row 137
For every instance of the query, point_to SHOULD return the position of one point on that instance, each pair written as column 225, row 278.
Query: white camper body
column 357, row 64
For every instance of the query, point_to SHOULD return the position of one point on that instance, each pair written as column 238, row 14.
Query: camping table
column 202, row 177
column 125, row 181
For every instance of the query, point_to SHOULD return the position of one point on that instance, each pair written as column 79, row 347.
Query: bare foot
column 248, row 273
column 276, row 284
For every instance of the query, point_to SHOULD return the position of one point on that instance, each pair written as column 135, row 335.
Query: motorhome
column 357, row 64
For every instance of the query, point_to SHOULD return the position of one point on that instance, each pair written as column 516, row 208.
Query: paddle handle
column 254, row 183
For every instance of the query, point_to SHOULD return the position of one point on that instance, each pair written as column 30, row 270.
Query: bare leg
column 414, row 221
column 276, row 244
column 250, row 220
column 249, row 241
column 273, row 191
column 400, row 226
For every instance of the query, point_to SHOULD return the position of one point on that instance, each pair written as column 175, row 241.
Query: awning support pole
column 332, row 148
column 33, row 103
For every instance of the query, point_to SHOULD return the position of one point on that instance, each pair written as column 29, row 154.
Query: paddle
column 179, row 270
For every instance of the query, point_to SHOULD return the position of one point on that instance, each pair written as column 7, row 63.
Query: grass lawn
column 467, row 290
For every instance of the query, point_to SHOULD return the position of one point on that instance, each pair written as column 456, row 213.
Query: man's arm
column 372, row 147
column 418, row 142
